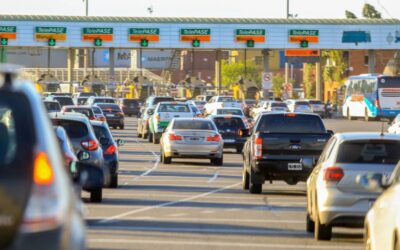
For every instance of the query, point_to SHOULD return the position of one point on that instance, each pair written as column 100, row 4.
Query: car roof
column 174, row 102
column 78, row 106
column 69, row 116
column 348, row 136
column 98, row 123
column 224, row 116
column 192, row 119
column 228, row 108
column 51, row 101
column 283, row 113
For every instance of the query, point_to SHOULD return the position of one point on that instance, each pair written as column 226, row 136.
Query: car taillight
column 214, row 138
column 92, row 118
column 44, row 209
column 174, row 137
column 90, row 145
column 258, row 142
column 333, row 174
column 110, row 150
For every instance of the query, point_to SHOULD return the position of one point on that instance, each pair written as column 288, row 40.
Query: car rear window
column 226, row 99
column 291, row 123
column 74, row 129
column 193, row 124
column 130, row 103
column 52, row 106
column 229, row 112
column 101, row 132
column 16, row 138
column 82, row 100
column 112, row 107
column 369, row 152
column 104, row 100
column 302, row 103
column 86, row 111
column 315, row 102
column 157, row 100
column 64, row 101
column 87, row 94
column 225, row 123
column 278, row 105
column 176, row 108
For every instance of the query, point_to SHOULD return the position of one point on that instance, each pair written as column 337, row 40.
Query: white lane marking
column 207, row 212
column 118, row 216
column 215, row 176
column 176, row 215
column 156, row 164
column 222, row 244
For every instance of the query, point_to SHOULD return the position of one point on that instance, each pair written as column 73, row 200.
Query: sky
column 200, row 8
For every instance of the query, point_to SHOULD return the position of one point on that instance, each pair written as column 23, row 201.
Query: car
column 228, row 111
column 203, row 98
column 129, row 106
column 200, row 105
column 81, row 100
column 98, row 113
column 143, row 123
column 394, row 126
column 334, row 198
column 247, row 105
column 233, row 130
column 192, row 138
column 276, row 106
column 52, row 106
column 114, row 115
column 260, row 107
column 382, row 223
column 85, row 110
column 299, row 106
column 163, row 114
column 69, row 156
column 100, row 99
column 317, row 107
column 220, row 102
column 39, row 209
column 83, row 138
column 62, row 100
column 83, row 94
column 110, row 150
column 196, row 112
column 282, row 147
column 152, row 101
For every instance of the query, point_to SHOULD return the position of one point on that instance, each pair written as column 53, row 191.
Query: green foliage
column 350, row 15
column 309, row 80
column 370, row 12
column 335, row 66
column 231, row 72
column 277, row 82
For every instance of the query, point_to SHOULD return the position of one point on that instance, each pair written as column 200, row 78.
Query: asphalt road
column 193, row 205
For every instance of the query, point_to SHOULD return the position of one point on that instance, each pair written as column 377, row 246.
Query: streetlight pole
column 287, row 9
column 86, row 51
column 286, row 62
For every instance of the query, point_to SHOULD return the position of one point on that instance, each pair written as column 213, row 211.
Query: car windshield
column 281, row 123
column 226, row 99
column 229, row 112
column 199, row 103
column 86, row 111
column 130, row 103
column 112, row 107
column 369, row 152
column 193, row 125
column 229, row 123
column 64, row 101
column 157, row 100
column 176, row 108
column 52, row 106
column 86, row 94
column 302, row 103
column 74, row 129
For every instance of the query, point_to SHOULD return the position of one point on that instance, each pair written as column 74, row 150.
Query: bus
column 371, row 96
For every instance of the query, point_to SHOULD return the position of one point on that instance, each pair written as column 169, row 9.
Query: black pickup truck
column 282, row 146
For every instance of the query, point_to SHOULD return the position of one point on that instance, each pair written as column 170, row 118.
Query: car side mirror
column 104, row 141
column 120, row 142
column 373, row 182
column 83, row 156
column 330, row 132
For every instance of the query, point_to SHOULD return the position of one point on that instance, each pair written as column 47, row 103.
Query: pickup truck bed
column 283, row 146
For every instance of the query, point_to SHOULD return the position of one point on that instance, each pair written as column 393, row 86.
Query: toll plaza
column 67, row 36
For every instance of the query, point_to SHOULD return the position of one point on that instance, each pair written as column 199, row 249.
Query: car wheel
column 114, row 127
column 96, row 195
column 310, row 225
column 218, row 161
column 114, row 181
column 165, row 159
column 367, row 239
column 239, row 150
column 321, row 231
column 155, row 139
column 150, row 137
column 145, row 135
column 122, row 127
column 254, row 188
column 245, row 178
column 366, row 117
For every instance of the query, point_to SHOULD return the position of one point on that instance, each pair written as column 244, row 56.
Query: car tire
column 150, row 137
column 165, row 159
column 145, row 135
column 367, row 239
column 114, row 181
column 122, row 127
column 322, row 231
column 218, row 161
column 245, row 178
column 114, row 127
column 239, row 150
column 254, row 188
column 155, row 139
column 310, row 225
column 96, row 195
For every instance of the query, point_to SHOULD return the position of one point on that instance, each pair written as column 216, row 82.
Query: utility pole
column 287, row 9
column 86, row 51
column 286, row 62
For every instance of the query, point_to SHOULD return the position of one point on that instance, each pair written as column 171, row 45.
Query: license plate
column 295, row 166
column 109, row 115
column 229, row 140
column 193, row 138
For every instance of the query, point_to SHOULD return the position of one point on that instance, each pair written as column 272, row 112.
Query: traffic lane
column 224, row 218
column 342, row 125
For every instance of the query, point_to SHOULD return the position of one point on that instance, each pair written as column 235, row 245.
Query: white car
column 317, row 107
column 100, row 99
column 228, row 111
column 220, row 102
column 299, row 106
column 261, row 107
column 395, row 125
column 382, row 223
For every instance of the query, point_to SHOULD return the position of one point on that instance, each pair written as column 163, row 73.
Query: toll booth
column 191, row 87
column 144, row 86
column 245, row 89
column 91, row 83
column 47, row 83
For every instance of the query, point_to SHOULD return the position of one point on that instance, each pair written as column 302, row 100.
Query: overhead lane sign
column 250, row 36
column 298, row 36
column 6, row 33
column 144, row 35
column 195, row 36
column 98, row 35
column 50, row 33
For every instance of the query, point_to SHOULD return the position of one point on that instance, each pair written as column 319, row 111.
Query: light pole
column 287, row 9
column 86, row 51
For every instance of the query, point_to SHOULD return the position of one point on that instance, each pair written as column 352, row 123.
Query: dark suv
column 39, row 208
column 129, row 106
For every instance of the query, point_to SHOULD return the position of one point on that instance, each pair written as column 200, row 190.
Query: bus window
column 349, row 91
column 357, row 87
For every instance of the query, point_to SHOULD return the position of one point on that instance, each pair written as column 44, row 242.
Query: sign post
column 304, row 37
column 144, row 35
column 98, row 35
column 267, row 80
column 250, row 36
column 195, row 36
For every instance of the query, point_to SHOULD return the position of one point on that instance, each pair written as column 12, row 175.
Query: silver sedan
column 192, row 138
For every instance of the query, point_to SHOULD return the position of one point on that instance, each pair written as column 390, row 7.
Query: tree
column 335, row 65
column 231, row 72
column 277, row 83
column 370, row 12
column 309, row 80
column 350, row 15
